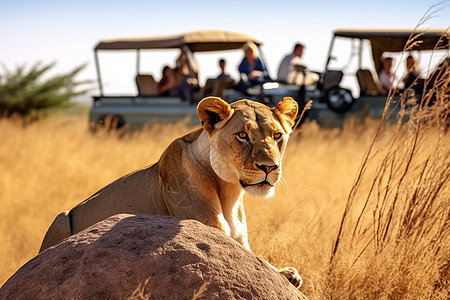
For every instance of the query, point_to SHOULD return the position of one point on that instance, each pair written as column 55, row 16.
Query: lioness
column 202, row 175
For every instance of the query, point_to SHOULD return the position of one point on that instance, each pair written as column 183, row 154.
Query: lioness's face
column 247, row 148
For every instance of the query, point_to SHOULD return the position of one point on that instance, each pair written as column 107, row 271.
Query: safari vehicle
column 335, row 101
column 132, row 112
column 331, row 90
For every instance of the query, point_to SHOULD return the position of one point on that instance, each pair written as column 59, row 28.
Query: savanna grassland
column 362, row 212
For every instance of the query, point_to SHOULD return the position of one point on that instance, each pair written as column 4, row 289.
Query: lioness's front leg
column 219, row 222
column 235, row 216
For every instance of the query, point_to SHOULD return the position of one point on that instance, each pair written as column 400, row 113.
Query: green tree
column 25, row 93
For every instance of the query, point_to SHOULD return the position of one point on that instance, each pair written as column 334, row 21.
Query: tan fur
column 202, row 175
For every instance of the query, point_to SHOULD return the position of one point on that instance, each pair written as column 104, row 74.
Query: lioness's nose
column 267, row 169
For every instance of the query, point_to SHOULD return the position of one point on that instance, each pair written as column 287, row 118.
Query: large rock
column 152, row 256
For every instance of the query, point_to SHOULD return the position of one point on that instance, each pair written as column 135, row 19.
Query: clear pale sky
column 66, row 31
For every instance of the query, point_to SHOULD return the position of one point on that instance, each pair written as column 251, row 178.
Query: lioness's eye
column 277, row 136
column 242, row 136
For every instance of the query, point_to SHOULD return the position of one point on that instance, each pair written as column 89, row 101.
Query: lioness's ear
column 286, row 111
column 213, row 110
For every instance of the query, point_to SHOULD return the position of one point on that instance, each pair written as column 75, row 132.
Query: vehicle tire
column 338, row 99
column 111, row 122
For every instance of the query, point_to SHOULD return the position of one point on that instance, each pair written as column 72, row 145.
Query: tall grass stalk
column 403, row 219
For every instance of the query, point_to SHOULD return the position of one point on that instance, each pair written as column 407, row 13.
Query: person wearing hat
column 286, row 63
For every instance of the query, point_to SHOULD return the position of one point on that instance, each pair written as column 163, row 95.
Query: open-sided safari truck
column 132, row 112
column 335, row 101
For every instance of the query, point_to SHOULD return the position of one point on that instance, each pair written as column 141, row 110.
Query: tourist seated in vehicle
column 412, row 72
column 187, row 84
column 386, row 76
column 412, row 82
column 251, row 69
column 286, row 63
column 223, row 65
column 185, row 58
column 167, row 83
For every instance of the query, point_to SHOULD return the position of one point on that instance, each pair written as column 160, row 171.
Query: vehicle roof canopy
column 395, row 40
column 204, row 40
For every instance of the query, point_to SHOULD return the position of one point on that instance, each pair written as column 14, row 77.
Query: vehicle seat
column 332, row 78
column 222, row 84
column 367, row 83
column 215, row 87
column 207, row 89
column 146, row 85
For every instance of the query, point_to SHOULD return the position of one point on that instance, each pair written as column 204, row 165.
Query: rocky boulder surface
column 147, row 257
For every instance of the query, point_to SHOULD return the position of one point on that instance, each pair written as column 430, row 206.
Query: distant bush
column 25, row 92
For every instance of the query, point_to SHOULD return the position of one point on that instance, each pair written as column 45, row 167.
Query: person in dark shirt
column 412, row 72
column 251, row 69
column 222, row 65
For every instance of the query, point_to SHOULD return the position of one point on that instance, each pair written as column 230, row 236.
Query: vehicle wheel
column 338, row 99
column 111, row 122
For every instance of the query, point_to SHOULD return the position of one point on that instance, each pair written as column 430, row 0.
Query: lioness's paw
column 292, row 275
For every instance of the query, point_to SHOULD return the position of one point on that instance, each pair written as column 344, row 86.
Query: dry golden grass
column 395, row 228
column 53, row 165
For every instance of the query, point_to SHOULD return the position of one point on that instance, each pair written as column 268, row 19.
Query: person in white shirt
column 286, row 63
column 387, row 78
